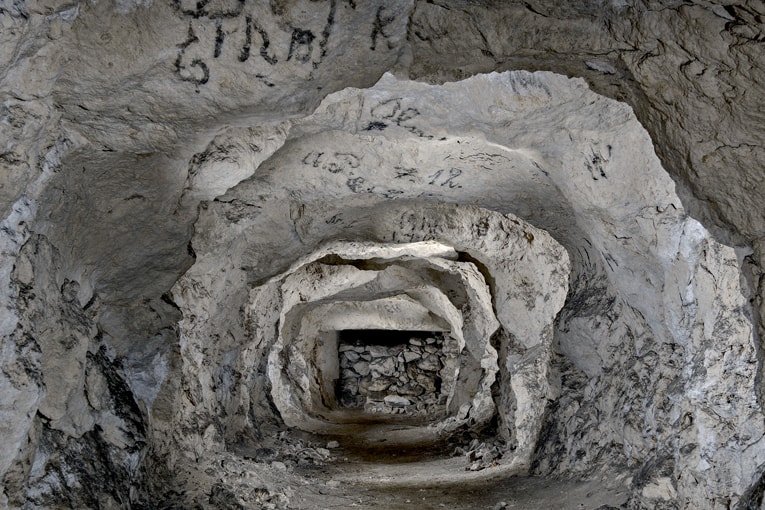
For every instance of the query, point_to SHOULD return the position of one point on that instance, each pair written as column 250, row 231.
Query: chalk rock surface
column 196, row 196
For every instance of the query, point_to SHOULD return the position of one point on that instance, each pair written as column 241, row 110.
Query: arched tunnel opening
column 432, row 225
column 374, row 284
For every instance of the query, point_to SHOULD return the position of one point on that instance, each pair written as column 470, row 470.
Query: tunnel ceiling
column 199, row 199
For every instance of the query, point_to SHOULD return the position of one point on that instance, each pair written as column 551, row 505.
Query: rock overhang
column 399, row 151
column 125, row 249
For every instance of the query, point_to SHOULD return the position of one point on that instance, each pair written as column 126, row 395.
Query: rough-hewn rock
column 142, row 141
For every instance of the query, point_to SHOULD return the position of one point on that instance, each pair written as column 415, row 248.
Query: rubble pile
column 481, row 454
column 397, row 379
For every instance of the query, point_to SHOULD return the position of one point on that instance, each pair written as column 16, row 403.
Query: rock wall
column 397, row 379
column 143, row 141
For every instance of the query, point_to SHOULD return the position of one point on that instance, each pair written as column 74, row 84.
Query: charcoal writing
column 301, row 45
column 356, row 184
column 392, row 110
column 485, row 160
column 386, row 109
column 376, row 126
column 408, row 173
column 213, row 9
column 610, row 260
column 335, row 163
column 244, row 53
column 202, row 74
column 271, row 59
column 313, row 158
column 392, row 193
column 378, row 29
column 219, row 38
column 228, row 29
column 596, row 163
column 444, row 178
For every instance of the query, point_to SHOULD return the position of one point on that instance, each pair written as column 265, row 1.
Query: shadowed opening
column 390, row 371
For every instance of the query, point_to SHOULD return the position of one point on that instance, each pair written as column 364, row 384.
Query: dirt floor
column 421, row 478
column 307, row 472
column 513, row 492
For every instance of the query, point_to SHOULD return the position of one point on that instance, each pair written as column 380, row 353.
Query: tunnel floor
column 429, row 476
column 514, row 492
column 415, row 479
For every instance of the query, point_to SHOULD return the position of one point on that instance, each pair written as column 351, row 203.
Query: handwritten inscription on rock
column 264, row 35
